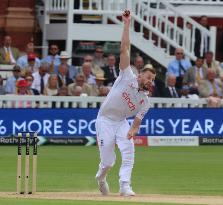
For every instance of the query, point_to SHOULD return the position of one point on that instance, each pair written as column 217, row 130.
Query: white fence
column 22, row 101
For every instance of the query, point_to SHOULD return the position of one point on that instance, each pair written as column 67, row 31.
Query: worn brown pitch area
column 184, row 199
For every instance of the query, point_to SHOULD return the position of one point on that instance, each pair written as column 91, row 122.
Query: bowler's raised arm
column 125, row 42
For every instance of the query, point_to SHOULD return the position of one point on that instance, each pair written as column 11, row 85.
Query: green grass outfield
column 157, row 170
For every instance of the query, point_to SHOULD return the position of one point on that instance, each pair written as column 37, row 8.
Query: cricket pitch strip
column 95, row 196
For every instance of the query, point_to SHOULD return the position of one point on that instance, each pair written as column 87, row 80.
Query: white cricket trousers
column 110, row 133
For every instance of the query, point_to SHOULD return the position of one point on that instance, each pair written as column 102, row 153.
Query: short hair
column 137, row 58
column 111, row 55
column 79, row 76
column 148, row 67
column 199, row 58
column 63, row 88
column 53, row 44
column 179, row 48
column 52, row 76
column 209, row 53
column 44, row 64
column 203, row 16
column 99, row 47
column 28, row 75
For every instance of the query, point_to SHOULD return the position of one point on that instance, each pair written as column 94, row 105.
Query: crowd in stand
column 54, row 76
column 201, row 80
column 50, row 75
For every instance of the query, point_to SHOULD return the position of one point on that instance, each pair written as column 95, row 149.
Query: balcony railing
column 159, row 17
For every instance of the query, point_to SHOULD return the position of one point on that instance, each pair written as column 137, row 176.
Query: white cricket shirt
column 124, row 100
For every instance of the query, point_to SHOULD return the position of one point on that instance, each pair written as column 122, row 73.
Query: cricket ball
column 126, row 13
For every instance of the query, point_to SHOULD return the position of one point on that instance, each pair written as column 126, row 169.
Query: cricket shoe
column 103, row 186
column 126, row 191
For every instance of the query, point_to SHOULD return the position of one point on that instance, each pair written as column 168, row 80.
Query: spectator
column 63, row 76
column 103, row 91
column 158, row 87
column 22, row 87
column 178, row 67
column 95, row 90
column 211, row 86
column 10, row 86
column 99, row 59
column 79, row 81
column 111, row 72
column 194, row 75
column 29, row 79
column 86, row 69
column 77, row 91
column 138, row 65
column 201, row 45
column 185, row 93
column 63, row 91
column 221, row 79
column 22, row 61
column 64, row 57
column 95, row 69
column 2, row 87
column 52, row 86
column 53, row 58
column 8, row 54
column 156, row 92
column 31, row 66
column 171, row 91
column 214, row 102
column 41, row 78
column 209, row 62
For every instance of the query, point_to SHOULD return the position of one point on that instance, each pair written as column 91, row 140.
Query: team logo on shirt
column 141, row 101
column 126, row 97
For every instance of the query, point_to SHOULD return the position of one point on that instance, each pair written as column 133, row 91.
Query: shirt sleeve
column 19, row 62
column 144, row 109
column 127, row 74
column 170, row 69
column 8, row 87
